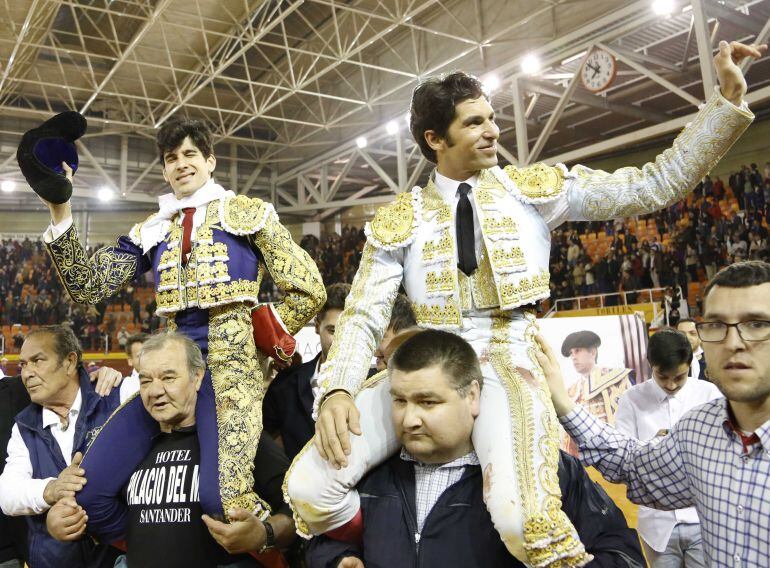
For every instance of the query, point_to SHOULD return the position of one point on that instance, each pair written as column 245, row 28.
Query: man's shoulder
column 640, row 392
column 241, row 215
column 135, row 234
column 394, row 225
column 700, row 419
column 537, row 183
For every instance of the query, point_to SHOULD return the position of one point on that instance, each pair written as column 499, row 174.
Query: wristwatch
column 269, row 537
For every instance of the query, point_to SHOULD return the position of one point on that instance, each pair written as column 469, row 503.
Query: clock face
column 598, row 71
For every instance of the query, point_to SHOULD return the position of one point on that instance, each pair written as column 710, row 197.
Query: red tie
column 187, row 225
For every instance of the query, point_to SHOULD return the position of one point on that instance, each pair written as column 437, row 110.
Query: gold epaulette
column 394, row 225
column 537, row 182
column 241, row 215
column 135, row 234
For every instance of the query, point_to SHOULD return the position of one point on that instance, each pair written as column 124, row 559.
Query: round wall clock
column 599, row 70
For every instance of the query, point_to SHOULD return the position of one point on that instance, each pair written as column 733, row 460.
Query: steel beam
column 651, row 75
column 705, row 49
column 520, row 122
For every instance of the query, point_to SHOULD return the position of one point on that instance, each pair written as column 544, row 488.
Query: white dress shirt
column 447, row 188
column 644, row 411
column 697, row 357
column 130, row 385
column 314, row 386
column 20, row 493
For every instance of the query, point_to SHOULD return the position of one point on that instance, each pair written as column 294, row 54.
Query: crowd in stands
column 31, row 294
column 685, row 244
column 678, row 247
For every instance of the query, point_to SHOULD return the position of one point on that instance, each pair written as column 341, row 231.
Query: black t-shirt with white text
column 164, row 519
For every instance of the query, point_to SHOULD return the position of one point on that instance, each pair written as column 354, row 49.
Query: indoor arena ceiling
column 308, row 98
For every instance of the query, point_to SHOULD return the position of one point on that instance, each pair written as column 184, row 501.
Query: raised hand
column 732, row 83
column 562, row 402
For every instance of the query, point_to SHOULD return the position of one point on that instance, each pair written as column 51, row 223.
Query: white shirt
column 314, row 386
column 643, row 411
column 697, row 357
column 20, row 493
column 447, row 188
column 130, row 385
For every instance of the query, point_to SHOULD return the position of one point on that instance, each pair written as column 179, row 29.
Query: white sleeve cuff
column 53, row 232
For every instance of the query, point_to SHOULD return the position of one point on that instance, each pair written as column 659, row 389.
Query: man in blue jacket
column 47, row 442
column 425, row 506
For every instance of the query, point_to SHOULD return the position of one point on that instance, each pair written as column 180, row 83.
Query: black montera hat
column 586, row 339
column 42, row 151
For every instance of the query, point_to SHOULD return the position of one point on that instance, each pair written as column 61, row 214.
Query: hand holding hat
column 47, row 152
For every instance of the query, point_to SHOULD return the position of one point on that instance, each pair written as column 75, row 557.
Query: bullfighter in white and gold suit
column 422, row 240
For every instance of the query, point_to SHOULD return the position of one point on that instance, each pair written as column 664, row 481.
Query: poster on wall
column 601, row 357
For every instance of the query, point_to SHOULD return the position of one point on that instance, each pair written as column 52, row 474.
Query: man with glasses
column 717, row 457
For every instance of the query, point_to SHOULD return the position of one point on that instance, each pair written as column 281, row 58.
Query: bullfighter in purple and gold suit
column 208, row 250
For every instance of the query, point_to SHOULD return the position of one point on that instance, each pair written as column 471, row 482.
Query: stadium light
column 361, row 142
column 530, row 64
column 7, row 186
column 392, row 127
column 491, row 83
column 106, row 194
column 663, row 7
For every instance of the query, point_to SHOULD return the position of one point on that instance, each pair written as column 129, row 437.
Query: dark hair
column 64, row 340
column 335, row 299
column 172, row 134
column 740, row 275
column 432, row 347
column 402, row 316
column 433, row 106
column 668, row 348
column 140, row 337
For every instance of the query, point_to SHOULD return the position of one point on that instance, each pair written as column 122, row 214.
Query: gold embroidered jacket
column 412, row 240
column 239, row 239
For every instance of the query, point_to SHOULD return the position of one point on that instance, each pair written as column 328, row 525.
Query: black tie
column 466, row 241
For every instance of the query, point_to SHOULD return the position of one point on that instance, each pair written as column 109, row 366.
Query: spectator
column 287, row 410
column 716, row 458
column 647, row 412
column 173, row 514
column 44, row 450
column 432, row 492
column 401, row 318
column 123, row 336
column 133, row 346
column 13, row 530
column 698, row 365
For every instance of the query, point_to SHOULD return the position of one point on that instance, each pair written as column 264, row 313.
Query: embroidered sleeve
column 291, row 267
column 363, row 321
column 596, row 195
column 89, row 280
